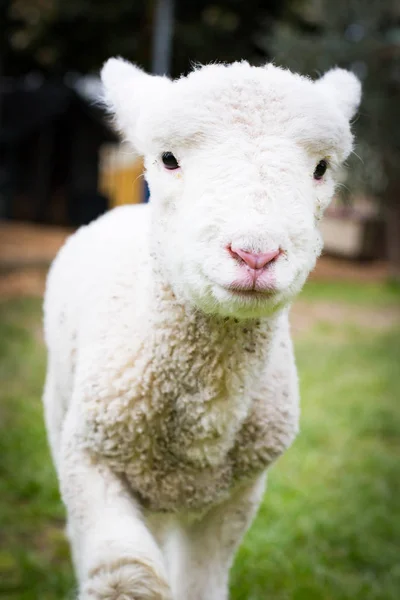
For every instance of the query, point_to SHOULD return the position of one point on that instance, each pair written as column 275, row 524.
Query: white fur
column 167, row 395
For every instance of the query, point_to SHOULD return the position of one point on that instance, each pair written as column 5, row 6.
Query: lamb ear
column 344, row 87
column 127, row 90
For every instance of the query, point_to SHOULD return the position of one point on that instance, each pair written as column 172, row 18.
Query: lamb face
column 235, row 158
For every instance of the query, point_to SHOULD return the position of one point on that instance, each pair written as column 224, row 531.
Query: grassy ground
column 329, row 527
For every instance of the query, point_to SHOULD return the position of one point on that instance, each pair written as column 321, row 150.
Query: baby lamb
column 171, row 383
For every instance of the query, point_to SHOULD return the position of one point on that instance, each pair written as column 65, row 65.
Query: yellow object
column 121, row 175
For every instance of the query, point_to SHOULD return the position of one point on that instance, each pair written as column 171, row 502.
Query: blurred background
column 329, row 527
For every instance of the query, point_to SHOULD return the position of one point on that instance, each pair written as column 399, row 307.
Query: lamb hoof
column 133, row 580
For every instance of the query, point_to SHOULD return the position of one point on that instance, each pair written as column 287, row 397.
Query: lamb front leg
column 114, row 553
column 203, row 551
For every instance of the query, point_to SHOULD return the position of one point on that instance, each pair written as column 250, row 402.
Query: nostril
column 255, row 260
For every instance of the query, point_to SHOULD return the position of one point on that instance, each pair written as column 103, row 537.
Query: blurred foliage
column 55, row 37
column 309, row 36
column 362, row 36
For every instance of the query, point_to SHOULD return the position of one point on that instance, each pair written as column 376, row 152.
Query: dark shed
column 50, row 137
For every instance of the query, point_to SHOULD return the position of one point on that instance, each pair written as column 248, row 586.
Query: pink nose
column 255, row 260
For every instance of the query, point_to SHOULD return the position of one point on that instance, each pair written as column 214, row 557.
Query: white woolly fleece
column 169, row 392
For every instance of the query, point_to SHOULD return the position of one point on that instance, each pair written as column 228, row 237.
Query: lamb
column 171, row 383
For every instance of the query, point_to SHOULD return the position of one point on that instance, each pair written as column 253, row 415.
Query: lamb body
column 170, row 397
column 171, row 381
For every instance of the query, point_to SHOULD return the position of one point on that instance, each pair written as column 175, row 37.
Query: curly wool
column 181, row 410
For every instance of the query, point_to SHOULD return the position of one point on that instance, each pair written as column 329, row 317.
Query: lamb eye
column 320, row 169
column 169, row 161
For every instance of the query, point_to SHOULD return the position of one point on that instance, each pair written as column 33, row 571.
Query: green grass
column 329, row 527
column 365, row 294
column 34, row 558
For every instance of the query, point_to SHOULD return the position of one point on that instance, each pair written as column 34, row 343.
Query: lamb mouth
column 253, row 293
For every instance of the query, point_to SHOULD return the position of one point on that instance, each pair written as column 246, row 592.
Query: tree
column 54, row 37
column 365, row 37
